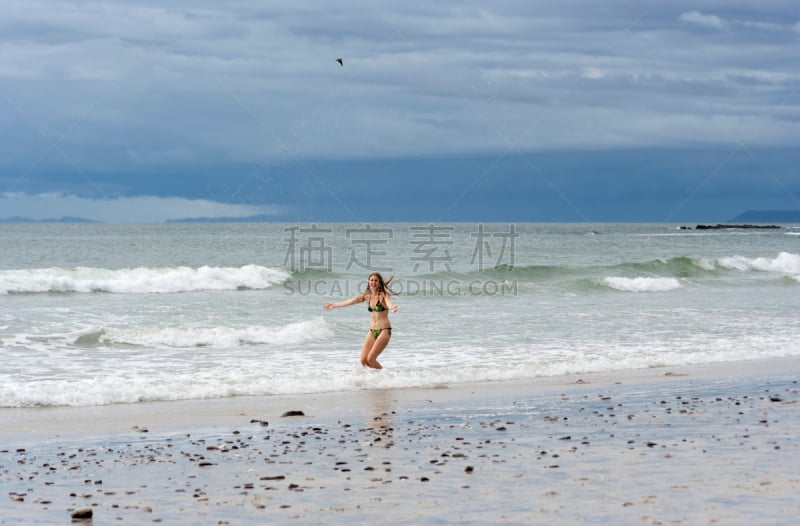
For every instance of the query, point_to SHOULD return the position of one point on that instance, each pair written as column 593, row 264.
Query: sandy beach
column 690, row 445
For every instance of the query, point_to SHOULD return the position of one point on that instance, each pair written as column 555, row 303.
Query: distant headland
column 65, row 219
column 768, row 216
column 726, row 226
column 758, row 219
column 748, row 219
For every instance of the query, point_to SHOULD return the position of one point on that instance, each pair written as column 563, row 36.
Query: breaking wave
column 139, row 280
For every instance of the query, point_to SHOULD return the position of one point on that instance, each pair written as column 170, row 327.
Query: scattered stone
column 422, row 445
column 80, row 514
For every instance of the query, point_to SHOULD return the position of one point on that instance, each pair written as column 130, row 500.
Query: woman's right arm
column 345, row 303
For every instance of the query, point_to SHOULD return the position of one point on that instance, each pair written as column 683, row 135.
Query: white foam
column 139, row 280
column 785, row 263
column 706, row 264
column 225, row 337
column 642, row 284
column 84, row 378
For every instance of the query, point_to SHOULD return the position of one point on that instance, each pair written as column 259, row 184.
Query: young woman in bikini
column 379, row 303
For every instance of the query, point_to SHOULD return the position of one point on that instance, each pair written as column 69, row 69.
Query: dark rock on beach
column 81, row 514
column 562, row 445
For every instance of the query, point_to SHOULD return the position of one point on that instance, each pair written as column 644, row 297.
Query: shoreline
column 686, row 445
column 41, row 422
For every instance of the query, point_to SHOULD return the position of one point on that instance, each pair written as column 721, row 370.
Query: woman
column 379, row 303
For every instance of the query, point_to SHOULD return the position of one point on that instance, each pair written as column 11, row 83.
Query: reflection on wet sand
column 379, row 415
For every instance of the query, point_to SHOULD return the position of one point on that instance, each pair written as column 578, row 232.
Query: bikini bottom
column 377, row 332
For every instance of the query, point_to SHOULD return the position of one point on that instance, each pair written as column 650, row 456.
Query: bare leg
column 368, row 342
column 378, row 345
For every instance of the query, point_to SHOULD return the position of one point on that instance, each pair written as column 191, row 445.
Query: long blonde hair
column 384, row 285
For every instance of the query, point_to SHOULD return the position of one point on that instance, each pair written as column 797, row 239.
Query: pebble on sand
column 81, row 514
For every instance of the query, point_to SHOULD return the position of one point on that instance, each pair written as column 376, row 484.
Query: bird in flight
column 340, row 61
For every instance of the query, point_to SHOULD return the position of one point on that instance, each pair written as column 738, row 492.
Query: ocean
column 96, row 314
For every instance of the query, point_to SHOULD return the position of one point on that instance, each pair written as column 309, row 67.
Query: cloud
column 593, row 73
column 226, row 98
column 142, row 209
column 763, row 26
column 696, row 17
column 253, row 82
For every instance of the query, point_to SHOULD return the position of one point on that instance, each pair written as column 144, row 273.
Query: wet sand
column 693, row 445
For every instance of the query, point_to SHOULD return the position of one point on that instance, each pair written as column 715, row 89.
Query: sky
column 595, row 111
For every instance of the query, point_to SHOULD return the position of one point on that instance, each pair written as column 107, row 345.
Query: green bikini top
column 378, row 307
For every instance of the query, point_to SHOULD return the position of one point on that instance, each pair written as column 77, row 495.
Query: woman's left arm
column 388, row 301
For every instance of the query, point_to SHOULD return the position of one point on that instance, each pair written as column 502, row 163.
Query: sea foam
column 139, row 280
column 642, row 284
column 784, row 263
column 224, row 337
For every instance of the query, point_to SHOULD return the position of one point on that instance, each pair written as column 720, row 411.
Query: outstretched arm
column 345, row 303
